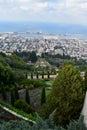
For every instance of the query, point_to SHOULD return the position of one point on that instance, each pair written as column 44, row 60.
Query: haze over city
column 59, row 11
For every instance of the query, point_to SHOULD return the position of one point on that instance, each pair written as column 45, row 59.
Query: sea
column 41, row 28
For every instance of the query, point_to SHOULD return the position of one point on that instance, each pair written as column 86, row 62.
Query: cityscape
column 43, row 64
column 46, row 43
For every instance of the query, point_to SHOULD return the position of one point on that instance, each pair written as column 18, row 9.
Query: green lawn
column 49, row 82
column 48, row 92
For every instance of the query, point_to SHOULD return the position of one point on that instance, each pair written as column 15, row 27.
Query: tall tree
column 33, row 57
column 3, row 91
column 43, row 75
column 43, row 96
column 85, row 81
column 27, row 96
column 48, row 75
column 37, row 75
column 12, row 97
column 26, row 75
column 31, row 75
column 66, row 95
column 16, row 92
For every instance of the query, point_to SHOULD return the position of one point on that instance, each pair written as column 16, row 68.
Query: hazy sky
column 65, row 11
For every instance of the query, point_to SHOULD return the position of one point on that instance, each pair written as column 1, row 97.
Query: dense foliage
column 7, row 75
column 58, row 60
column 41, row 125
column 8, row 66
column 13, row 61
column 24, row 106
column 16, row 94
column 27, row 96
column 3, row 91
column 27, row 56
column 66, row 96
column 34, row 82
column 12, row 97
column 43, row 96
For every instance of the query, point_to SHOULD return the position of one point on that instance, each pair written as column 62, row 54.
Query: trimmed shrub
column 22, row 105
column 27, row 96
column 12, row 97
column 26, row 75
column 31, row 75
column 3, row 91
column 48, row 75
column 42, row 75
column 37, row 75
column 16, row 92
column 43, row 96
column 35, row 82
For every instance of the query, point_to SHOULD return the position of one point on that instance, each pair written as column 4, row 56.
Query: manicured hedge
column 34, row 82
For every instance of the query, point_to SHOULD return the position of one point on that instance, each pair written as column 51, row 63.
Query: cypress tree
column 43, row 75
column 33, row 57
column 43, row 96
column 48, row 75
column 27, row 96
column 12, row 97
column 26, row 75
column 16, row 92
column 31, row 75
column 37, row 75
column 3, row 91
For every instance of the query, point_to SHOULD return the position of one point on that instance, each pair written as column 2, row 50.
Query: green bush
column 27, row 96
column 66, row 96
column 16, row 94
column 12, row 97
column 34, row 82
column 43, row 96
column 3, row 91
column 20, row 112
column 22, row 105
column 41, row 125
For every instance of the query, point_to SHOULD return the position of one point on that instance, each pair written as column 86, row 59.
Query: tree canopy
column 66, row 96
column 7, row 75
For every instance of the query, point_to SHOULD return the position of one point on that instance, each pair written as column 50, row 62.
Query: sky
column 59, row 11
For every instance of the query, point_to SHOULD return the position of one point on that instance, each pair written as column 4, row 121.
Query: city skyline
column 59, row 11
